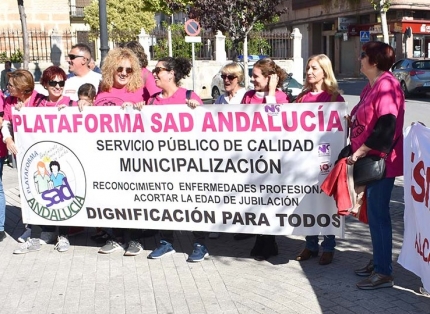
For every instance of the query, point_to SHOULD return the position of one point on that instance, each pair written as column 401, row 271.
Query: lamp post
column 104, row 47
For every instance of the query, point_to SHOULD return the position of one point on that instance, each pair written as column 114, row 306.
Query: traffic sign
column 193, row 39
column 192, row 27
column 364, row 36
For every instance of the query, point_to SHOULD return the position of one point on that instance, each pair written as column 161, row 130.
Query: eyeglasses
column 127, row 70
column 73, row 57
column 230, row 77
column 159, row 69
column 54, row 83
column 363, row 55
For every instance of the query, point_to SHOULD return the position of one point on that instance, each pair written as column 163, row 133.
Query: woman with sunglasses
column 22, row 94
column 232, row 78
column 168, row 73
column 148, row 79
column 320, row 86
column 53, row 80
column 376, row 124
column 121, row 83
column 267, row 78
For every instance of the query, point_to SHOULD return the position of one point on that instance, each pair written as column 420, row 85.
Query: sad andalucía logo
column 53, row 181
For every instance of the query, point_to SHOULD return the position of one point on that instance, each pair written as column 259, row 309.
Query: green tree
column 125, row 18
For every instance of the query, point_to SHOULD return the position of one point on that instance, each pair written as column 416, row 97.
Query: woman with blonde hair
column 320, row 86
column 232, row 77
column 121, row 80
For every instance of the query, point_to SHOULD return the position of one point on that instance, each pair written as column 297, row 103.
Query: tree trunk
column 24, row 33
column 384, row 23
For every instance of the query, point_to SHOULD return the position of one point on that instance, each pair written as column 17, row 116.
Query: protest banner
column 415, row 253
column 237, row 168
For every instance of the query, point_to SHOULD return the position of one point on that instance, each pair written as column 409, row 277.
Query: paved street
column 83, row 281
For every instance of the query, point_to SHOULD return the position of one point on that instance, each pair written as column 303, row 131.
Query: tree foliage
column 125, row 18
column 235, row 17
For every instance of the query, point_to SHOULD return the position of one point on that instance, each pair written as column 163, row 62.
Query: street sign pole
column 192, row 69
column 192, row 28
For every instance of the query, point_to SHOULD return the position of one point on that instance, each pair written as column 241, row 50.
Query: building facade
column 339, row 29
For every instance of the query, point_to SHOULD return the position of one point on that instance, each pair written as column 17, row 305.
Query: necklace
column 376, row 78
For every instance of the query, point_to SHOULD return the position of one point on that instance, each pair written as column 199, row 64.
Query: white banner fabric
column 415, row 253
column 236, row 168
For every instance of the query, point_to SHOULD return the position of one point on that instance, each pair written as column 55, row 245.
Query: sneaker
column 25, row 235
column 110, row 247
column 200, row 252
column 63, row 244
column 213, row 235
column 376, row 281
column 73, row 231
column 2, row 235
column 165, row 248
column 47, row 237
column 31, row 245
column 134, row 248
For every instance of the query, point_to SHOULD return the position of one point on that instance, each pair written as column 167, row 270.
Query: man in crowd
column 4, row 79
column 79, row 59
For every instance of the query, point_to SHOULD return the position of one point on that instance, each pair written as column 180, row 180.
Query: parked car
column 413, row 75
column 290, row 86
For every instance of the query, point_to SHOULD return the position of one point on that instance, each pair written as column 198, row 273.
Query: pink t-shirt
column 118, row 96
column 3, row 149
column 65, row 100
column 149, row 83
column 252, row 97
column 385, row 97
column 36, row 100
column 319, row 97
column 178, row 98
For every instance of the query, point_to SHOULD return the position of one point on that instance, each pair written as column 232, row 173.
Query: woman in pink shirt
column 267, row 78
column 121, row 83
column 3, row 154
column 150, row 88
column 320, row 86
column 53, row 80
column 377, row 129
column 168, row 73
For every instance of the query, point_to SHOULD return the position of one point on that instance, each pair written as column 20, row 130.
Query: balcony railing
column 76, row 11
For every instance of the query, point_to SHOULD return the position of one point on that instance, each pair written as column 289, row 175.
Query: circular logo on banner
column 192, row 27
column 53, row 181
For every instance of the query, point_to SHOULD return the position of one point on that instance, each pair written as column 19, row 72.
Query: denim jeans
column 378, row 196
column 327, row 244
column 2, row 199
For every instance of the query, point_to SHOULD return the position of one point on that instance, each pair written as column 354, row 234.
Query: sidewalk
column 83, row 281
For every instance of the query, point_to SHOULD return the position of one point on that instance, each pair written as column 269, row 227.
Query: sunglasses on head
column 73, row 57
column 230, row 77
column 127, row 70
column 54, row 83
column 159, row 69
column 363, row 55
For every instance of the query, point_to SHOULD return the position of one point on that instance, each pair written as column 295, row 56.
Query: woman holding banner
column 168, row 74
column 376, row 129
column 267, row 78
column 232, row 78
column 320, row 86
column 3, row 155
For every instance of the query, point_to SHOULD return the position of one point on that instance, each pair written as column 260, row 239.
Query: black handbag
column 368, row 169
